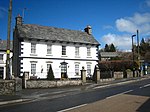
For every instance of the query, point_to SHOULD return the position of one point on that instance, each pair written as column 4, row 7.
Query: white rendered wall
column 3, row 63
column 42, row 59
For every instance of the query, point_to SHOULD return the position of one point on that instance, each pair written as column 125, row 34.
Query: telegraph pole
column 8, row 41
column 133, row 55
column 138, row 45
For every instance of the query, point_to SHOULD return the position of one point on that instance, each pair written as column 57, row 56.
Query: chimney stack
column 88, row 30
column 18, row 20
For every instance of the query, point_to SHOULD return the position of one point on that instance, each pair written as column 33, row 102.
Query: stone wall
column 129, row 74
column 49, row 84
column 10, row 86
column 7, row 87
column 118, row 75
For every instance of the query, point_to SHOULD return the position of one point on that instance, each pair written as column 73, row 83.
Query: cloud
column 121, row 41
column 3, row 12
column 131, row 24
column 147, row 3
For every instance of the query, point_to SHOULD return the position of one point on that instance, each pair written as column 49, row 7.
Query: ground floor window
column 77, row 69
column 64, row 70
column 1, row 72
column 88, row 69
column 48, row 66
column 33, row 68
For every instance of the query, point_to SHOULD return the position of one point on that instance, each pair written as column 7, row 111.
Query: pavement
column 27, row 95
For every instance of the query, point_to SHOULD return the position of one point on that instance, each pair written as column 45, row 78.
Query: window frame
column 33, row 48
column 1, row 56
column 48, row 66
column 63, row 50
column 88, row 51
column 77, row 69
column 89, row 69
column 33, row 68
column 49, row 49
column 77, row 51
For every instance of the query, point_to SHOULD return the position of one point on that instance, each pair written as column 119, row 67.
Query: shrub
column 50, row 74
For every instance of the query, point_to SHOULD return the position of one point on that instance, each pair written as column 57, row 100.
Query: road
column 124, row 98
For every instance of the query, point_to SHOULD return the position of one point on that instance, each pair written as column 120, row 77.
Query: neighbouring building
column 36, row 48
column 3, row 48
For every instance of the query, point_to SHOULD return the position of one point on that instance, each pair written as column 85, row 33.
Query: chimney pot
column 88, row 29
column 18, row 20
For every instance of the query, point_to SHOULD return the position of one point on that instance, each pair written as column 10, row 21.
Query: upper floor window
column 33, row 48
column 76, row 51
column 63, row 50
column 1, row 56
column 49, row 49
column 88, row 51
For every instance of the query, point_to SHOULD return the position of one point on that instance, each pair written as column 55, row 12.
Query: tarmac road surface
column 131, row 97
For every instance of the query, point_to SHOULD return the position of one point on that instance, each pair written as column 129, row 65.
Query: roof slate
column 30, row 31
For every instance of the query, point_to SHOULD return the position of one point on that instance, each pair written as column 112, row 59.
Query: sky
column 112, row 21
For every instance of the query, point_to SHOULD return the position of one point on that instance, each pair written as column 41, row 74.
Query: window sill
column 64, row 56
column 49, row 55
column 77, row 56
column 89, row 57
column 33, row 54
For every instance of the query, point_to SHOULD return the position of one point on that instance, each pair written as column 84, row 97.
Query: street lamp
column 133, row 54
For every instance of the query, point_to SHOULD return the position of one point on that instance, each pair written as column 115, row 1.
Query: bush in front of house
column 50, row 74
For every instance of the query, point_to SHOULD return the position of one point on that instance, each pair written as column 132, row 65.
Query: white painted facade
column 3, row 64
column 41, row 59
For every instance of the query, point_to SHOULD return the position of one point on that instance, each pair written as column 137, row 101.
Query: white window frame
column 77, row 51
column 33, row 48
column 1, row 56
column 77, row 68
column 88, row 68
column 88, row 51
column 33, row 68
column 49, row 49
column 64, row 50
column 48, row 66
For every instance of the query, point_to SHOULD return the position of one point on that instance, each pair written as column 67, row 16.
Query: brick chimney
column 88, row 30
column 18, row 20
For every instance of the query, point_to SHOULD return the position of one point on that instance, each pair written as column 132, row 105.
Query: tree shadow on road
column 145, row 107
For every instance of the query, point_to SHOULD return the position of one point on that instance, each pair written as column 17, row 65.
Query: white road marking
column 145, row 86
column 119, row 94
column 72, row 108
column 98, row 87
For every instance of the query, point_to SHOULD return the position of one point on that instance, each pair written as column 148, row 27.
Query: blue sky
column 112, row 21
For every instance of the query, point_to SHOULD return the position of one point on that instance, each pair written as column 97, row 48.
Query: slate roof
column 30, row 31
column 3, row 45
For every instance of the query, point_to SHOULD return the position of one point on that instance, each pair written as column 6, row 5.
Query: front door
column 64, row 70
column 1, row 72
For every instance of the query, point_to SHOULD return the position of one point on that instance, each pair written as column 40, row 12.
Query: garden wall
column 7, row 87
column 50, row 84
column 10, row 86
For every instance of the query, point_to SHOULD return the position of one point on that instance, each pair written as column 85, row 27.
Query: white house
column 3, row 48
column 67, row 51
